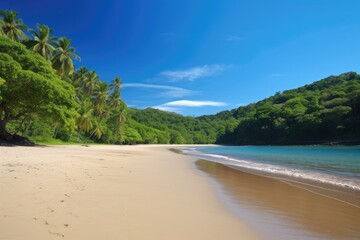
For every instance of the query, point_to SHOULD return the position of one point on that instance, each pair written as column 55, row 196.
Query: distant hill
column 175, row 128
column 326, row 111
column 323, row 112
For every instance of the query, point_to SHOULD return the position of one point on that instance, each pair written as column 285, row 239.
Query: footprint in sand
column 58, row 234
column 48, row 224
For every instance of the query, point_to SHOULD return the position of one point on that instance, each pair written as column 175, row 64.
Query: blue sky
column 204, row 56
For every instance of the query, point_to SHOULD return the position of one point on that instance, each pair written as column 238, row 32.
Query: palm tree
column 118, row 120
column 62, row 60
column 116, row 85
column 119, row 116
column 98, row 129
column 85, row 120
column 114, row 101
column 13, row 27
column 101, row 95
column 106, row 113
column 79, row 79
column 42, row 43
column 2, row 33
column 91, row 81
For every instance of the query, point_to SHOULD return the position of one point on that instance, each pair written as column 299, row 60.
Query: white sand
column 109, row 192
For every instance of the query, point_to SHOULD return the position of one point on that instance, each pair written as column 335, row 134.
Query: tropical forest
column 45, row 98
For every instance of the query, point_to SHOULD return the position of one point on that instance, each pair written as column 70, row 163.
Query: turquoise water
column 337, row 165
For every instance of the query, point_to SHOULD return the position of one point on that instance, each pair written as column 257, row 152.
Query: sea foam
column 277, row 170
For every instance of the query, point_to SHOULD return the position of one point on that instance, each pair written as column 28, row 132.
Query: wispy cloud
column 177, row 106
column 167, row 91
column 232, row 38
column 190, row 103
column 169, row 109
column 193, row 73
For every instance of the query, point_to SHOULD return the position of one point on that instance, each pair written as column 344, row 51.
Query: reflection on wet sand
column 315, row 215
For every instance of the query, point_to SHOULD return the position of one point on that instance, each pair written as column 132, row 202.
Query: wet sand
column 279, row 210
column 109, row 192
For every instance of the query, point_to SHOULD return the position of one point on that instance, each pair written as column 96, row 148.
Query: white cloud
column 189, row 103
column 193, row 73
column 168, row 91
column 174, row 106
column 177, row 106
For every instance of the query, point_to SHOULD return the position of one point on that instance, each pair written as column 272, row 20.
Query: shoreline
column 286, row 211
column 302, row 143
column 345, row 194
column 109, row 192
column 315, row 179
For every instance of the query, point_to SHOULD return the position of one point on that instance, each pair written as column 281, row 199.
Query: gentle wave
column 278, row 171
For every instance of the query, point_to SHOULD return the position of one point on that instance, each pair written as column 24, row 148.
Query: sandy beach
column 109, row 192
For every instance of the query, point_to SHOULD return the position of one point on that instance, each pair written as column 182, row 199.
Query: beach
column 110, row 192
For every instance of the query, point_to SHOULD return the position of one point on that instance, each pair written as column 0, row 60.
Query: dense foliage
column 325, row 111
column 43, row 97
column 176, row 128
column 31, row 87
column 322, row 112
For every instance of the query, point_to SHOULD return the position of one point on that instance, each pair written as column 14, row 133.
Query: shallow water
column 279, row 210
column 338, row 165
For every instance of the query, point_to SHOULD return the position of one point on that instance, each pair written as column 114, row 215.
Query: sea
column 334, row 165
column 287, row 192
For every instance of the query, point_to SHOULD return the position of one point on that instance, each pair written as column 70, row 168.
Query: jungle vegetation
column 44, row 97
column 326, row 111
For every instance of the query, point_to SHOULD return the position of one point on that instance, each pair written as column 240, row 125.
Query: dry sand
column 109, row 192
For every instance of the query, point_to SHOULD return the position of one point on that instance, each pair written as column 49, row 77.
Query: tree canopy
column 325, row 111
column 43, row 43
column 44, row 97
column 32, row 87
column 12, row 26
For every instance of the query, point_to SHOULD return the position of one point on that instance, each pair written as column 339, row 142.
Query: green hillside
column 176, row 128
column 324, row 111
